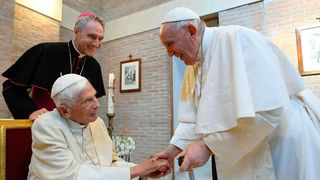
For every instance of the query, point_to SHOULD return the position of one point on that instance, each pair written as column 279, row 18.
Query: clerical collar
column 75, row 47
column 75, row 125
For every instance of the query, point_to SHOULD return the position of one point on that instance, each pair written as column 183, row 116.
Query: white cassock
column 254, row 113
column 64, row 149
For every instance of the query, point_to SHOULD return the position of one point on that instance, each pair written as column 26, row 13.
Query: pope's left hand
column 195, row 155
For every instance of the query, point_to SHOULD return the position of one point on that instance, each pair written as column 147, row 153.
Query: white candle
column 111, row 93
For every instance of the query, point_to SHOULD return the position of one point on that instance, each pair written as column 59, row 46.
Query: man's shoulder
column 237, row 29
column 92, row 60
column 51, row 44
column 233, row 32
column 92, row 63
column 49, row 127
column 47, row 46
column 50, row 119
column 229, row 29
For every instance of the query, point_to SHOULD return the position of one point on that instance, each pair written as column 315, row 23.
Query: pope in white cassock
column 241, row 101
column 72, row 142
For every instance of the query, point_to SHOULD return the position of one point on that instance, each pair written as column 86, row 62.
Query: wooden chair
column 15, row 149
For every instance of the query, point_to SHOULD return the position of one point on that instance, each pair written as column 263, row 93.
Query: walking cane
column 190, row 173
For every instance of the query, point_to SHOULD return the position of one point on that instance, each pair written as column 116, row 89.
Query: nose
column 97, row 42
column 170, row 52
column 96, row 103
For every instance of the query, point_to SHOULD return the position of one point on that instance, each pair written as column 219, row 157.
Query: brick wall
column 278, row 20
column 31, row 28
column 6, row 25
column 144, row 115
column 22, row 28
column 65, row 34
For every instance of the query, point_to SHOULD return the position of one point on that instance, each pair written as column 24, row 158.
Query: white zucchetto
column 63, row 82
column 180, row 14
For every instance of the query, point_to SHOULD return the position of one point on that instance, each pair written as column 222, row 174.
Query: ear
column 192, row 30
column 75, row 30
column 64, row 110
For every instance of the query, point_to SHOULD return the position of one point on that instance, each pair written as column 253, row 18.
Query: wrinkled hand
column 148, row 167
column 162, row 171
column 195, row 155
column 37, row 113
column 169, row 154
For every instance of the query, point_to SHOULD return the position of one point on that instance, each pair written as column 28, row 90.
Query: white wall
column 151, row 18
column 50, row 8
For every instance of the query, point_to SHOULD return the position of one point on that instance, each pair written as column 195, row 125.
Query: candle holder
column 110, row 126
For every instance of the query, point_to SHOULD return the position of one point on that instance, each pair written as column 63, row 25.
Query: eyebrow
column 92, row 34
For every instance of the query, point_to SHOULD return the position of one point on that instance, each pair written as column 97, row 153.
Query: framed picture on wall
column 130, row 76
column 308, row 46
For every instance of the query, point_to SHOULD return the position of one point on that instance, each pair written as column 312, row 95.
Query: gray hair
column 81, row 22
column 69, row 94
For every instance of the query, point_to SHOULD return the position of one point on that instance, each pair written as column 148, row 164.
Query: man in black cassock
column 42, row 64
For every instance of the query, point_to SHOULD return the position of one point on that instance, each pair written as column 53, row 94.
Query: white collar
column 75, row 47
column 75, row 125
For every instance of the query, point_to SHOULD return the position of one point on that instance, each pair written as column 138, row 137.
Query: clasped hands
column 195, row 155
column 150, row 168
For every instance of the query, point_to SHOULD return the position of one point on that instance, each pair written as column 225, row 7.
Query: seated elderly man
column 72, row 142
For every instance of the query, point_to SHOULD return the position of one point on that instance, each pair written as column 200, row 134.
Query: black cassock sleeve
column 18, row 100
column 20, row 77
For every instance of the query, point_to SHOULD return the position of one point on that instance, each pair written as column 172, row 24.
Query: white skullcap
column 180, row 14
column 63, row 82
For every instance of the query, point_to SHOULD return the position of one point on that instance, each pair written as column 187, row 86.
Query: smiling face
column 86, row 107
column 183, row 43
column 89, row 38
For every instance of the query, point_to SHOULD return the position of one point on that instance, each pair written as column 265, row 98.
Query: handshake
column 154, row 168
column 158, row 165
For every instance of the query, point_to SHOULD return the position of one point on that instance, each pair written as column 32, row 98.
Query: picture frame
column 308, row 48
column 130, row 76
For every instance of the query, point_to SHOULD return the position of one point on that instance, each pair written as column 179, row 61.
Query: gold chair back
column 15, row 149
